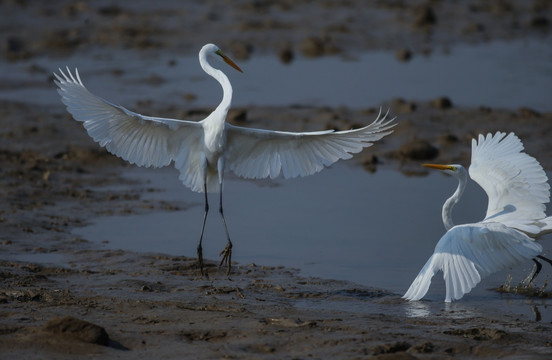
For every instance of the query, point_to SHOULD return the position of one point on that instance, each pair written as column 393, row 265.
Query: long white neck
column 453, row 200
column 221, row 78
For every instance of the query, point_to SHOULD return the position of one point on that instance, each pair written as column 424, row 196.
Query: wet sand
column 64, row 297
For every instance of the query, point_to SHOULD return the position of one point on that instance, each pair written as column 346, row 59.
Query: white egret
column 517, row 189
column 203, row 150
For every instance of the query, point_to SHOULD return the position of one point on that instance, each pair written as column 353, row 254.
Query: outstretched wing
column 468, row 253
column 255, row 153
column 141, row 140
column 515, row 182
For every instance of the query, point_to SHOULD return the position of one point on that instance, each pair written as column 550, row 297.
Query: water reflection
column 341, row 223
column 540, row 307
column 461, row 310
column 538, row 316
column 417, row 309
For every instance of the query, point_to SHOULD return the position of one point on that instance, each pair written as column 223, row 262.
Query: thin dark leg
column 539, row 266
column 199, row 248
column 227, row 252
column 545, row 259
column 537, row 271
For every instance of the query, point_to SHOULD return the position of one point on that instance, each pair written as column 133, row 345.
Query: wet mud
column 63, row 297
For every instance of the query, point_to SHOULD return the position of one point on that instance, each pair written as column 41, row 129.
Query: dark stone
column 74, row 328
column 418, row 150
column 442, row 103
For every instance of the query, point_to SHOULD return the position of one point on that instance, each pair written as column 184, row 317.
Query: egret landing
column 202, row 151
column 517, row 189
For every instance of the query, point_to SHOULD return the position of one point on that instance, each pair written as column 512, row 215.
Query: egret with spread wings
column 517, row 188
column 203, row 150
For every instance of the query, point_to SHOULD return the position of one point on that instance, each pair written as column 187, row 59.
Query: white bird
column 203, row 150
column 517, row 189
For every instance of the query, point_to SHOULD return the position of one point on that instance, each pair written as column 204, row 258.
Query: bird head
column 215, row 51
column 454, row 170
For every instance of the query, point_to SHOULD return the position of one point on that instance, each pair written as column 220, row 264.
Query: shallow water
column 344, row 223
column 507, row 74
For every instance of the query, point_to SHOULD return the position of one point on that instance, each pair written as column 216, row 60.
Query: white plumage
column 517, row 188
column 203, row 150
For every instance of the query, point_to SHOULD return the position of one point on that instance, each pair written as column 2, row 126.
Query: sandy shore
column 114, row 304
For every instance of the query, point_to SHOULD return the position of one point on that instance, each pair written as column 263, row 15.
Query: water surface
column 506, row 74
column 344, row 223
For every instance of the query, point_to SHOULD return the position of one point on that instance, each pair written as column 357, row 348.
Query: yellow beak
column 228, row 61
column 440, row 167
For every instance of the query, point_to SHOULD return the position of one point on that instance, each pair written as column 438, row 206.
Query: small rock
column 402, row 106
column 442, row 103
column 448, row 139
column 424, row 348
column 312, row 47
column 526, row 112
column 540, row 22
column 391, row 348
column 370, row 163
column 241, row 51
column 189, row 97
column 14, row 44
column 418, row 150
column 110, row 11
column 237, row 115
column 403, row 55
column 74, row 328
column 15, row 48
column 286, row 55
column 425, row 16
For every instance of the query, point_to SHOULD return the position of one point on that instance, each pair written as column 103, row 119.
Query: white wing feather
column 141, row 140
column 256, row 153
column 515, row 182
column 468, row 253
column 250, row 153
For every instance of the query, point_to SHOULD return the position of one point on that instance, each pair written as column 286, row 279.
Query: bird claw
column 226, row 257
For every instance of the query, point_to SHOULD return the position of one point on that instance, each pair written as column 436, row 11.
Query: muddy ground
column 117, row 304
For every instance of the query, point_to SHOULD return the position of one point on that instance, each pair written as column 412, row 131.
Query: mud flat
column 63, row 296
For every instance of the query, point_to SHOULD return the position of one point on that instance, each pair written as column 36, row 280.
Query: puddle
column 343, row 223
column 499, row 74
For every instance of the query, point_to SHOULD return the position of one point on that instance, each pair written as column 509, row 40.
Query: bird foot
column 226, row 257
